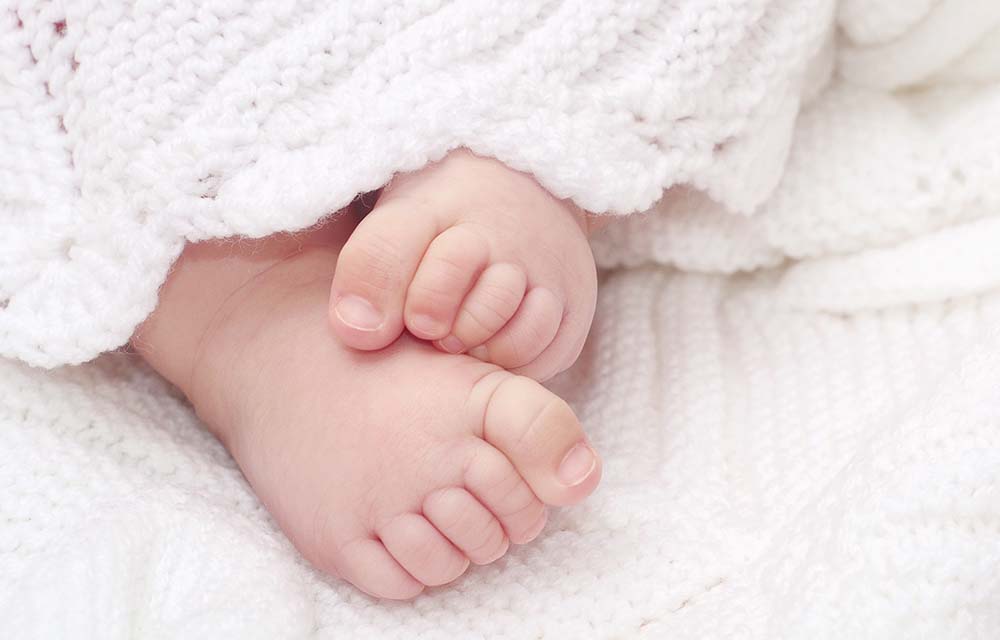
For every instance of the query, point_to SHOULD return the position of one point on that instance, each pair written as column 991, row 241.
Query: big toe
column 540, row 435
column 374, row 269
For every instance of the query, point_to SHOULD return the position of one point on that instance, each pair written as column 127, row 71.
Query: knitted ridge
column 131, row 128
column 797, row 409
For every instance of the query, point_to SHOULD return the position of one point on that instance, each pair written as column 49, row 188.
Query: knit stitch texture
column 130, row 128
column 794, row 372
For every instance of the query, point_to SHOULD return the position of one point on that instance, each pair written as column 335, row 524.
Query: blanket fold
column 130, row 129
column 793, row 373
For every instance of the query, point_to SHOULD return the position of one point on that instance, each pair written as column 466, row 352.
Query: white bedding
column 799, row 409
column 770, row 473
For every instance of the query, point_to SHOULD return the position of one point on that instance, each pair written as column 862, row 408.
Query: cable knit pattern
column 130, row 128
column 794, row 371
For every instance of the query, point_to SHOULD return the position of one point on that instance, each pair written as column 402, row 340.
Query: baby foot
column 475, row 257
column 395, row 469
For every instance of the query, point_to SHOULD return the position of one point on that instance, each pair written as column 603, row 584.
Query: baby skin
column 476, row 258
column 395, row 459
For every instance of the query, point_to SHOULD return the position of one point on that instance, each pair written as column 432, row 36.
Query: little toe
column 540, row 435
column 527, row 334
column 467, row 523
column 369, row 566
column 446, row 273
column 561, row 353
column 492, row 479
column 492, row 302
column 373, row 272
column 422, row 550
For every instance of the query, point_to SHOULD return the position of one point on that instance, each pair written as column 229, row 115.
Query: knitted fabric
column 130, row 128
column 794, row 372
column 769, row 474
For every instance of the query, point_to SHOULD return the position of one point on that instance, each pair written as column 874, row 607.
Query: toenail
column 451, row 344
column 577, row 465
column 480, row 352
column 422, row 324
column 358, row 313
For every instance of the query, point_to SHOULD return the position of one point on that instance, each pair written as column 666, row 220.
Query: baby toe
column 492, row 302
column 527, row 334
column 374, row 269
column 369, row 566
column 496, row 483
column 446, row 273
column 422, row 550
column 541, row 437
column 467, row 523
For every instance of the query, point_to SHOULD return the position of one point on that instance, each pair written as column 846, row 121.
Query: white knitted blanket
column 794, row 375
